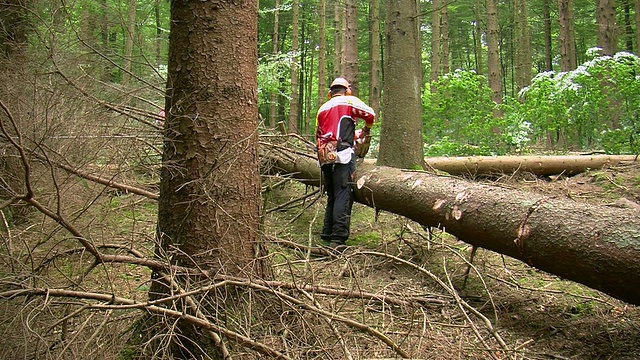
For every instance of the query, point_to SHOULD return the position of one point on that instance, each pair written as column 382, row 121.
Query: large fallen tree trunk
column 598, row 246
column 539, row 165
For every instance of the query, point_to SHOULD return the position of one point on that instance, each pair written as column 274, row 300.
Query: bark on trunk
column 350, row 45
column 401, row 130
column 566, row 36
column 598, row 246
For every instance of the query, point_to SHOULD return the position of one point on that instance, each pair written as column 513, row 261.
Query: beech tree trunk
column 598, row 246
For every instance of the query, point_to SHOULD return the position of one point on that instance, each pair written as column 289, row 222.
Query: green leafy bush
column 458, row 119
column 594, row 106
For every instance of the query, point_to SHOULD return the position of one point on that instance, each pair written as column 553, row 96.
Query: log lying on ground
column 539, row 165
column 598, row 246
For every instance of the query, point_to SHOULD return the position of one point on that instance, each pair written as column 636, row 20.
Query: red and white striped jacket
column 337, row 119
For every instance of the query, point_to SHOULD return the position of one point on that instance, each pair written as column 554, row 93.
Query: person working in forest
column 338, row 144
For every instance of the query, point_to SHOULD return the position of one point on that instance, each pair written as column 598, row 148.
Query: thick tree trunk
column 566, row 36
column 209, row 205
column 597, row 246
column 607, row 36
column 401, row 131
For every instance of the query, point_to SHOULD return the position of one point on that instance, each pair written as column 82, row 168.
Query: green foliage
column 447, row 147
column 273, row 75
column 594, row 106
column 458, row 118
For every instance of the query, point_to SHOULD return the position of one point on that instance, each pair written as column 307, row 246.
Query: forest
column 159, row 192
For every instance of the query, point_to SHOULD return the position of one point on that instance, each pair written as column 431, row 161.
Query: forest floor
column 522, row 313
column 398, row 290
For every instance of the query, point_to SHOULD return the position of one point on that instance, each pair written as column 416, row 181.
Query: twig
column 332, row 326
column 461, row 303
column 116, row 302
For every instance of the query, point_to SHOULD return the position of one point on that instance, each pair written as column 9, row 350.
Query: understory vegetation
column 595, row 107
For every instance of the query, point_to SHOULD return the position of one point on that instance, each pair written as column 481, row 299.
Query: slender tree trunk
column 493, row 54
column 350, row 44
column 479, row 30
column 338, row 68
column 273, row 103
column 607, row 28
column 444, row 30
column 158, row 42
column 302, row 75
column 548, row 50
column 628, row 28
column 104, row 34
column 518, row 45
column 209, row 206
column 567, row 36
column 128, row 43
column 374, row 51
column 435, row 42
column 322, row 52
column 295, row 62
column 523, row 45
column 308, row 75
column 401, row 131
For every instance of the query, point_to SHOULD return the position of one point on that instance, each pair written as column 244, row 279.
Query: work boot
column 337, row 245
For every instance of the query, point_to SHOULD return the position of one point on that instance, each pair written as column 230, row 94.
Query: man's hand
column 363, row 141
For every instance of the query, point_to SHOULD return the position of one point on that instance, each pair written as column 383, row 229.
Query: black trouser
column 337, row 216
